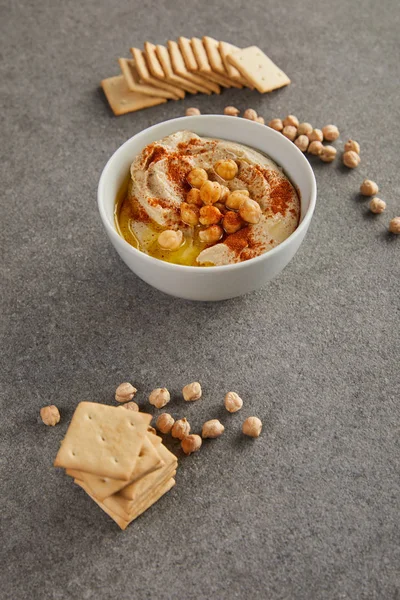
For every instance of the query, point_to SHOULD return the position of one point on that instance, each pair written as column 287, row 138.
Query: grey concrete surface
column 311, row 509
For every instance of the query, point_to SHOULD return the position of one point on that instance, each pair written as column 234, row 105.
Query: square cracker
column 146, row 77
column 122, row 100
column 225, row 49
column 148, row 461
column 179, row 67
column 132, row 79
column 165, row 60
column 123, row 523
column 259, row 69
column 103, row 440
column 216, row 62
column 186, row 49
column 204, row 66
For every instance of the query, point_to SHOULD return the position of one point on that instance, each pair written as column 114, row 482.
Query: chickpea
column 276, row 124
column 233, row 402
column 304, row 129
column 351, row 159
column 377, row 205
column 290, row 132
column 170, row 239
column 302, row 142
column 250, row 211
column 191, row 112
column 236, row 198
column 159, row 397
column 193, row 197
column 227, row 169
column 352, row 146
column 191, row 443
column 232, row 222
column 328, row 154
column 394, row 226
column 212, row 429
column 291, row 120
column 192, row 391
column 315, row 148
column 165, row 423
column 330, row 133
column 260, row 120
column 130, row 406
column 250, row 114
column 316, row 135
column 225, row 191
column 180, row 429
column 50, row 415
column 210, row 192
column 221, row 207
column 210, row 215
column 189, row 214
column 211, row 235
column 252, row 427
column 124, row 392
column 369, row 188
column 231, row 110
column 197, row 177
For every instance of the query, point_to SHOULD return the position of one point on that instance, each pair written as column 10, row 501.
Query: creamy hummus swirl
column 159, row 185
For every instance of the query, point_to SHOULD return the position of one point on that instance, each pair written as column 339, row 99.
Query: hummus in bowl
column 159, row 197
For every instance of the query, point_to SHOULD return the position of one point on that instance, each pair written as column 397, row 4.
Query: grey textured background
column 311, row 509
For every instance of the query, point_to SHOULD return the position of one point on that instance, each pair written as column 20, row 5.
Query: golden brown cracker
column 122, row 100
column 103, row 440
column 179, row 67
column 205, row 67
column 153, row 62
column 132, row 79
column 255, row 66
column 186, row 49
column 146, row 77
column 164, row 58
column 233, row 73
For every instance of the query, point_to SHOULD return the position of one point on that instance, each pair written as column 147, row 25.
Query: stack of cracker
column 160, row 73
column 115, row 456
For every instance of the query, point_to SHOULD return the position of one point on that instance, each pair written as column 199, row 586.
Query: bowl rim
column 151, row 260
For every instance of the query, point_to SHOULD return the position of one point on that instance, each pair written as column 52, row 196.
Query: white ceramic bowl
column 210, row 283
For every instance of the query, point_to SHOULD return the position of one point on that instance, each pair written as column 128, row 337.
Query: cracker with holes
column 204, row 66
column 179, row 67
column 132, row 79
column 255, row 66
column 122, row 100
column 146, row 77
column 217, row 65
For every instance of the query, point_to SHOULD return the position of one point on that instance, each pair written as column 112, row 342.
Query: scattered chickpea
column 233, row 402
column 180, row 429
column 330, row 133
column 369, row 188
column 260, row 120
column 236, row 198
column 193, row 197
column 377, row 206
column 394, row 226
column 252, row 427
column 231, row 111
column 212, row 429
column 302, row 142
column 316, row 135
column 191, row 112
column 225, row 191
column 159, row 397
column 351, row 159
column 328, row 154
column 315, row 148
column 210, row 215
column 189, row 214
column 211, row 235
column 250, row 211
column 250, row 114
column 227, row 169
column 165, row 423
column 125, row 392
column 130, row 406
column 290, row 132
column 291, row 120
column 352, row 146
column 170, row 239
column 197, row 177
column 192, row 391
column 50, row 415
column 232, row 222
column 305, row 129
column 191, row 443
column 276, row 124
column 210, row 192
